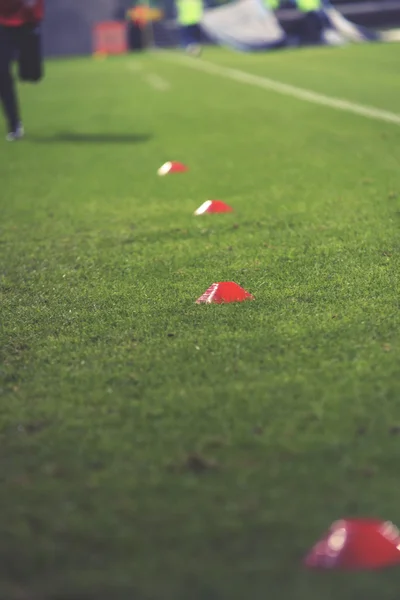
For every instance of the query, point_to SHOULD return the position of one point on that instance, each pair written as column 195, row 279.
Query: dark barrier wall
column 68, row 25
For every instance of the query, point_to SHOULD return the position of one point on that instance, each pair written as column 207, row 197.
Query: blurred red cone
column 172, row 167
column 356, row 544
column 222, row 292
column 213, row 206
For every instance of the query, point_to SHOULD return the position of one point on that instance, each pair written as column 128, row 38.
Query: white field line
column 157, row 82
column 283, row 88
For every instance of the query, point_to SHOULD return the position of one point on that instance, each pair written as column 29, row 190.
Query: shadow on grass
column 92, row 138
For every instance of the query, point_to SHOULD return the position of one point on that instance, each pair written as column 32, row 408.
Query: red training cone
column 172, row 167
column 213, row 206
column 357, row 544
column 222, row 292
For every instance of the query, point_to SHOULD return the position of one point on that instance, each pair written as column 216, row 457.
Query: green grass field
column 155, row 449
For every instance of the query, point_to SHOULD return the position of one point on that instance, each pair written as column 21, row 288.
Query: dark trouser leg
column 8, row 98
column 8, row 94
column 30, row 61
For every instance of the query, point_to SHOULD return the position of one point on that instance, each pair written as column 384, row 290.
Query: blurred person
column 20, row 39
column 312, row 22
column 189, row 15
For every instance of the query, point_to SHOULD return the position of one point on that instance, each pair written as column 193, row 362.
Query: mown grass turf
column 154, row 449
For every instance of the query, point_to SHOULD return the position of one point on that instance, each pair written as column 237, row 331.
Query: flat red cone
column 224, row 291
column 172, row 167
column 213, row 206
column 357, row 544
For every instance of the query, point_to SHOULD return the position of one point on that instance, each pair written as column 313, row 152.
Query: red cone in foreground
column 213, row 206
column 222, row 292
column 172, row 167
column 357, row 544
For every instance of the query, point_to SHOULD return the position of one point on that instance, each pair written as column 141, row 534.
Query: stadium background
column 68, row 29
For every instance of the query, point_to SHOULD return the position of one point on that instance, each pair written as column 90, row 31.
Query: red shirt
column 14, row 13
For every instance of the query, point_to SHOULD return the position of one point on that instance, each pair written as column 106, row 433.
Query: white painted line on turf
column 285, row 88
column 157, row 82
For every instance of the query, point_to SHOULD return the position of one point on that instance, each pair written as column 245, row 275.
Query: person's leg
column 184, row 36
column 189, row 37
column 30, row 61
column 8, row 94
column 312, row 28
